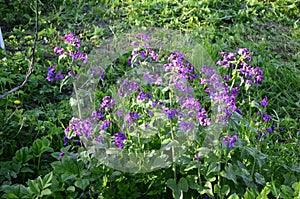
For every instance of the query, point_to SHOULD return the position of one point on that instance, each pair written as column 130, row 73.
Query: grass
column 269, row 29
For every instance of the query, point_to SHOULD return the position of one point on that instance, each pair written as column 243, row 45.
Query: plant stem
column 77, row 100
column 172, row 135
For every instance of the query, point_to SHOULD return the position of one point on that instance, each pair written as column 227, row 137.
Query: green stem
column 172, row 135
column 77, row 100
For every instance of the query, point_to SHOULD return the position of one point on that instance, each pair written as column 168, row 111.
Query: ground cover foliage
column 33, row 119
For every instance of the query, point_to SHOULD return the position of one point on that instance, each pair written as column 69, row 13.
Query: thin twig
column 32, row 60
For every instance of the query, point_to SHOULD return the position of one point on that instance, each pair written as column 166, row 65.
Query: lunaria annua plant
column 163, row 99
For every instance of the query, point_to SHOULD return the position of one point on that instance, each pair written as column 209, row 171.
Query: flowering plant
column 69, row 59
column 163, row 106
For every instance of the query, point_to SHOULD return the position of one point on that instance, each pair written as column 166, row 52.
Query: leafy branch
column 32, row 60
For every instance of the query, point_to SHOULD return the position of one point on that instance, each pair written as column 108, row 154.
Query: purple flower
column 142, row 36
column 120, row 112
column 98, row 71
column 61, row 155
column 245, row 53
column 264, row 102
column 58, row 50
column 72, row 39
column 143, row 54
column 129, row 61
column 71, row 74
column 97, row 115
column 270, row 130
column 78, row 55
column 105, row 124
column 201, row 115
column 153, row 55
column 143, row 96
column 66, row 140
column 230, row 141
column 171, row 113
column 196, row 157
column 52, row 75
column 185, row 126
column 107, row 102
column 119, row 138
column 134, row 115
column 127, row 87
column 266, row 117
column 81, row 127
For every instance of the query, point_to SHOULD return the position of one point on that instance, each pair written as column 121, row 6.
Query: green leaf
column 172, row 184
column 233, row 196
column 46, row 192
column 208, row 189
column 71, row 188
column 264, row 193
column 183, row 185
column 33, row 187
column 259, row 179
column 47, row 179
column 250, row 194
column 10, row 196
column 41, row 146
column 225, row 190
column 22, row 155
column 212, row 168
column 229, row 173
column 288, row 191
column 192, row 182
column 82, row 183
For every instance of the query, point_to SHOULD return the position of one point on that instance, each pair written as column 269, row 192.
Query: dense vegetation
column 262, row 163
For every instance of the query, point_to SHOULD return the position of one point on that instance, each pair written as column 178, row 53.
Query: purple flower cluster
column 119, row 138
column 130, row 117
column 72, row 39
column 107, row 103
column 78, row 55
column 153, row 54
column 143, row 96
column 127, row 87
column 184, row 68
column 264, row 101
column 231, row 140
column 171, row 113
column 247, row 73
column 54, row 76
column 79, row 127
column 143, row 40
column 98, row 71
column 153, row 78
column 104, row 124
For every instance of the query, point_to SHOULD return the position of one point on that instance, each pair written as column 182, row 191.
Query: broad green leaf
column 82, row 183
column 264, row 193
column 46, row 192
column 10, row 196
column 288, row 191
column 259, row 179
column 225, row 190
column 229, row 173
column 250, row 194
column 22, row 155
column 208, row 188
column 172, row 184
column 33, row 187
column 192, row 182
column 183, row 185
column 71, row 188
column 47, row 179
column 233, row 196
